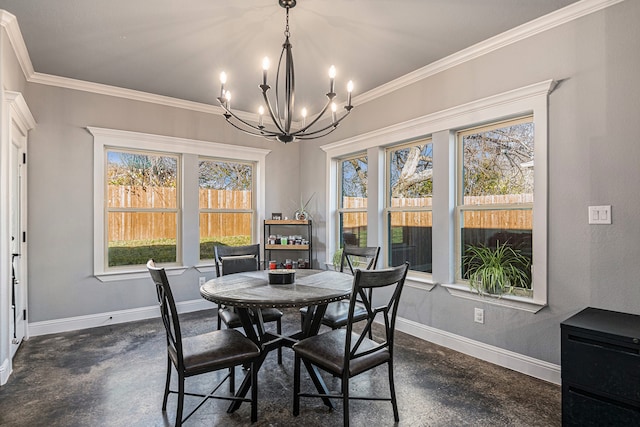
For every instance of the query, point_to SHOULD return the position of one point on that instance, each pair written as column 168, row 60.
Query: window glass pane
column 491, row 228
column 353, row 229
column 134, row 237
column 141, row 180
column 353, row 193
column 497, row 162
column 225, row 185
column 411, row 175
column 410, row 234
column 228, row 229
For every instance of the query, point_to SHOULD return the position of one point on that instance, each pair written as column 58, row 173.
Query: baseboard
column 101, row 319
column 527, row 365
column 5, row 371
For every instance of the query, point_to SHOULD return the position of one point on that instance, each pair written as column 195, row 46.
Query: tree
column 412, row 171
column 220, row 175
column 141, row 170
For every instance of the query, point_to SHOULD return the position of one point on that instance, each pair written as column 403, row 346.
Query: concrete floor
column 114, row 376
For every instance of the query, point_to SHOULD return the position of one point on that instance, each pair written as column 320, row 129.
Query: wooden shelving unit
column 297, row 227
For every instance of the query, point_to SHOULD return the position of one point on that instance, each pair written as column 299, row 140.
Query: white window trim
column 424, row 280
column 530, row 99
column 114, row 138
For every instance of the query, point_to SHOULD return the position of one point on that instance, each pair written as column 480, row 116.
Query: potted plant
column 337, row 259
column 302, row 213
column 497, row 271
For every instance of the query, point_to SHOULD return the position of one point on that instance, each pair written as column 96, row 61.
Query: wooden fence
column 163, row 225
column 481, row 218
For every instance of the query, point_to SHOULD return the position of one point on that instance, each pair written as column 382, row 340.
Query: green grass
column 138, row 252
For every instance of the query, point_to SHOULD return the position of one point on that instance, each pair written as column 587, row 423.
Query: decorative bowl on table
column 282, row 276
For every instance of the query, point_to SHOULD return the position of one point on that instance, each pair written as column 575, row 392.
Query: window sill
column 205, row 268
column 135, row 274
column 419, row 281
column 511, row 301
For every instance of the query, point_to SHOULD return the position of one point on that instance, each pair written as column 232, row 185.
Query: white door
column 18, row 321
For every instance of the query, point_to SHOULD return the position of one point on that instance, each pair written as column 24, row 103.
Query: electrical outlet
column 201, row 280
column 478, row 315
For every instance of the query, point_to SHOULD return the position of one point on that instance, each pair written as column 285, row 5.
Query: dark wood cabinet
column 601, row 369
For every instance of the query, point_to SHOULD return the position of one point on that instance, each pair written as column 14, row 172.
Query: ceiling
column 178, row 48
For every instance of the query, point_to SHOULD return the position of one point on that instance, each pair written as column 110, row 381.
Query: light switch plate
column 600, row 214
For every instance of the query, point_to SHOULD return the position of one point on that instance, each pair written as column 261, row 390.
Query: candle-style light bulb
column 332, row 77
column 304, row 116
column 227, row 96
column 349, row 90
column 265, row 67
column 334, row 108
column 260, row 114
column 223, row 80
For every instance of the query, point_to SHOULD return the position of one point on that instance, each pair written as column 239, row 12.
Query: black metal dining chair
column 346, row 353
column 365, row 258
column 200, row 354
column 238, row 259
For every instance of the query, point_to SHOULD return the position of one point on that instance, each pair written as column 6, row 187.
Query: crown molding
column 526, row 30
column 10, row 25
column 529, row 29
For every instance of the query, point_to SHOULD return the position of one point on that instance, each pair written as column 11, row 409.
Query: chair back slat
column 354, row 256
column 236, row 259
column 168, row 309
column 364, row 283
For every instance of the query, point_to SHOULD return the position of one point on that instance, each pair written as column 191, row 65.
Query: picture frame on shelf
column 276, row 215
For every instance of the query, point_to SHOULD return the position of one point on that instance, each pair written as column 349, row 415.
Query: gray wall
column 594, row 159
column 61, row 283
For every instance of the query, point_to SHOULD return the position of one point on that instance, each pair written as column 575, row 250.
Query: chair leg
column 254, row 393
column 345, row 399
column 392, row 389
column 166, row 385
column 296, row 386
column 180, row 399
column 279, row 330
column 232, row 379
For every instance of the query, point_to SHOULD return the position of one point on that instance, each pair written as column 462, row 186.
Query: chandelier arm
column 320, row 114
column 250, row 131
column 333, row 124
column 315, row 135
column 275, row 121
column 255, row 130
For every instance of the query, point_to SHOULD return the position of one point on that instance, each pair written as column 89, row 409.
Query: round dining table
column 248, row 292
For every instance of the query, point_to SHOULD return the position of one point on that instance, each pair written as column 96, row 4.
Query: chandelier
column 281, row 112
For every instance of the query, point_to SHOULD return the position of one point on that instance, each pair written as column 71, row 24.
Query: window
column 409, row 201
column 225, row 204
column 142, row 193
column 480, row 155
column 352, row 211
column 495, row 192
column 151, row 193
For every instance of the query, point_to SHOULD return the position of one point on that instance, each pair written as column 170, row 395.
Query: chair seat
column 215, row 350
column 327, row 351
column 231, row 318
column 337, row 314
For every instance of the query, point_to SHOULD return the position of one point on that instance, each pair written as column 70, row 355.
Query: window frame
column 441, row 126
column 177, row 210
column 339, row 202
column 390, row 209
column 460, row 206
column 189, row 251
column 252, row 210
